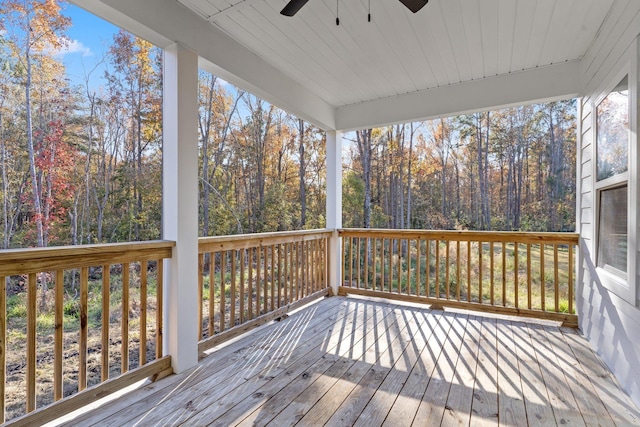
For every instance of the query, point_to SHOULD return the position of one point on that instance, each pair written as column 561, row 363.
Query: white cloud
column 74, row 46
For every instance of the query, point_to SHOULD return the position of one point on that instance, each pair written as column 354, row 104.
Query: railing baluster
column 212, row 292
column 529, row 275
column 391, row 243
column 556, row 280
column 351, row 261
column 84, row 296
column 143, row 313
column 273, row 272
column 458, row 281
column 399, row 265
column 265, row 280
column 358, row 276
column 504, row 274
column 287, row 282
column 543, row 283
column 570, row 278
column 294, row 272
column 480, row 272
column 31, row 342
column 104, row 353
column 200, row 293
column 408, row 264
column 159, row 307
column 299, row 271
column 366, row 263
column 232, row 317
column 223, row 288
column 304, row 272
column 250, row 285
column 3, row 345
column 427, row 286
column 302, row 269
column 469, row 271
column 279, row 275
column 317, row 260
column 124, row 326
column 418, row 265
column 516, row 274
column 242, row 285
column 374, row 263
column 307, row 267
column 382, row 263
column 312, row 266
column 491, row 274
column 298, row 288
column 446, row 273
column 59, row 333
column 324, row 269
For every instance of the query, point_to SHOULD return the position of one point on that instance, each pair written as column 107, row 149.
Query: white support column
column 334, row 205
column 180, row 204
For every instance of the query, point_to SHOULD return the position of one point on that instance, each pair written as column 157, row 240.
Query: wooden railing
column 74, row 317
column 246, row 280
column 528, row 274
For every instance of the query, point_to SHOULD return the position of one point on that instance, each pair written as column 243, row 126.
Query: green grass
column 409, row 265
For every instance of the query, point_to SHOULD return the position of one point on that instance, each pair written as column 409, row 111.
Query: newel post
column 334, row 206
column 180, row 204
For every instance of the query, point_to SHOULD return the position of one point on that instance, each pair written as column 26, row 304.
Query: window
column 612, row 182
column 613, row 132
column 612, row 236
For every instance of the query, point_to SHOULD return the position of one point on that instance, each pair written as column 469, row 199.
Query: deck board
column 347, row 361
column 484, row 409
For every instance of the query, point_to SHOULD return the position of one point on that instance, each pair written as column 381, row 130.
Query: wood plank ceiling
column 446, row 43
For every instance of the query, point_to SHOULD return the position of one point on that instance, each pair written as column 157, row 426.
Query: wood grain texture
column 88, row 396
column 245, row 241
column 347, row 361
column 59, row 335
column 479, row 245
column 3, row 344
column 474, row 236
column 31, row 342
column 35, row 260
column 569, row 320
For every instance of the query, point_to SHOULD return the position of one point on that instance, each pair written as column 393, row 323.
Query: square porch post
column 180, row 204
column 334, row 206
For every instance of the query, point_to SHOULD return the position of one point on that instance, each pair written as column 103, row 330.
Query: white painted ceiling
column 452, row 56
column 447, row 42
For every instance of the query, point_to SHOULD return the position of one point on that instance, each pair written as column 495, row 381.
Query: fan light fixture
column 295, row 5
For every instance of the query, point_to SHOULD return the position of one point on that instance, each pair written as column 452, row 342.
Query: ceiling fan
column 295, row 5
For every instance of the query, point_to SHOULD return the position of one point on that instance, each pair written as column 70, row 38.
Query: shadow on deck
column 349, row 361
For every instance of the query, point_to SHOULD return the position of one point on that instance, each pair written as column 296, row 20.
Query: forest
column 81, row 163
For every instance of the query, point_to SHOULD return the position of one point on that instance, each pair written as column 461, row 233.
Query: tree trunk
column 363, row 138
column 303, row 171
column 31, row 151
column 409, row 176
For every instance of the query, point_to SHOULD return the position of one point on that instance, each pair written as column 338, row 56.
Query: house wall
column 609, row 318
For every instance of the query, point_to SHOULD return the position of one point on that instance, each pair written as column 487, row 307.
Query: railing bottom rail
column 153, row 371
column 568, row 320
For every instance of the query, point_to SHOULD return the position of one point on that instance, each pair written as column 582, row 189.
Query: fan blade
column 414, row 5
column 293, row 7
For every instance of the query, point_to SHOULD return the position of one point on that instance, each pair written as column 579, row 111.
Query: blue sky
column 90, row 38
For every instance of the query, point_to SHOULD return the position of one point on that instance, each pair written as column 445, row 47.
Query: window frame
column 623, row 285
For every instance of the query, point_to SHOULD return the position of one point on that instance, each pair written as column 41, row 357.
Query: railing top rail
column 483, row 236
column 33, row 260
column 243, row 241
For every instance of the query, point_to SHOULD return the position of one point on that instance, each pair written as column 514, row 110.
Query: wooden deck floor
column 347, row 361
